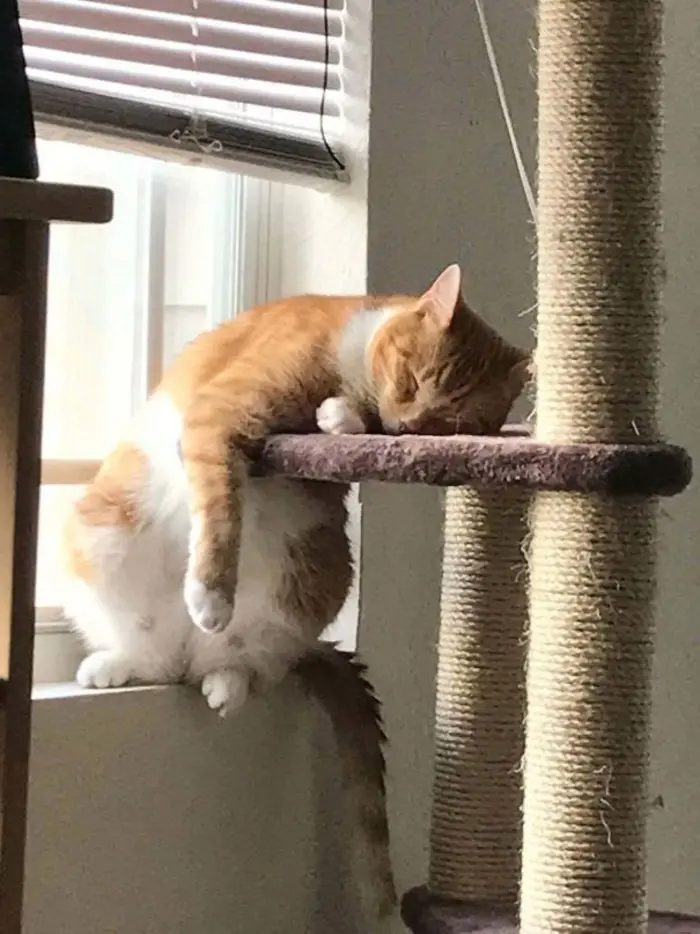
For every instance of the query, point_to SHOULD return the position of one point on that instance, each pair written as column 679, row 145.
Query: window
column 258, row 81
column 187, row 248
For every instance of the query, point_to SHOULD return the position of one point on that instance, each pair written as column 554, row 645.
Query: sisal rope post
column 477, row 799
column 592, row 561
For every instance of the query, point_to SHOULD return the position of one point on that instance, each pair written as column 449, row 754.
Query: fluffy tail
column 337, row 680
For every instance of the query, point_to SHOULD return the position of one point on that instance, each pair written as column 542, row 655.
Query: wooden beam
column 23, row 314
column 26, row 207
column 21, row 199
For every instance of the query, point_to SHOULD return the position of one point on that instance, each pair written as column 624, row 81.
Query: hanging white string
column 503, row 100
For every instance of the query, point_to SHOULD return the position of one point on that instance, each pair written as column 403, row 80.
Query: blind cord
column 324, row 92
column 495, row 71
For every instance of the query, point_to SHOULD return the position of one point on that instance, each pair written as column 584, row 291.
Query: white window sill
column 63, row 690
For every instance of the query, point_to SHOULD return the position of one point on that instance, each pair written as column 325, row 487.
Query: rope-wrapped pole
column 477, row 798
column 592, row 559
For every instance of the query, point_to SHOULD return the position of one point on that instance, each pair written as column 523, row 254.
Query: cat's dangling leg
column 216, row 471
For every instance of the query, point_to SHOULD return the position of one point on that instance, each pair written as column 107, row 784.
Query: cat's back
column 263, row 342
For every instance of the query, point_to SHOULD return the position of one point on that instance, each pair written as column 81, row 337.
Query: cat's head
column 437, row 368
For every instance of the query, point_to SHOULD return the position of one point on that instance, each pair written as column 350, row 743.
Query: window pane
column 124, row 298
column 96, row 302
column 54, row 504
column 165, row 268
column 181, row 324
column 201, row 214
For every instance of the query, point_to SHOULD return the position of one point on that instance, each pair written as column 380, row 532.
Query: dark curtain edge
column 18, row 153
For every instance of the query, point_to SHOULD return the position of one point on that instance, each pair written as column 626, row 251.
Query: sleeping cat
column 181, row 567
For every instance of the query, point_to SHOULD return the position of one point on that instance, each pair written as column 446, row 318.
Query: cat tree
column 587, row 487
column 572, row 849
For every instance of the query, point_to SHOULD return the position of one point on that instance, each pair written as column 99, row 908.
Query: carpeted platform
column 424, row 913
column 511, row 459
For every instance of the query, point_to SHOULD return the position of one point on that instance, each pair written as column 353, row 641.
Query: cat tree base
column 424, row 913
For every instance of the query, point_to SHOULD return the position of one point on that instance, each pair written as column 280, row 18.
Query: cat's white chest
column 354, row 342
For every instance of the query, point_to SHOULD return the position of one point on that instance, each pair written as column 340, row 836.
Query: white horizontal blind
column 247, row 78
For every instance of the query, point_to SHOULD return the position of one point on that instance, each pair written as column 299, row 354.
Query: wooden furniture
column 26, row 209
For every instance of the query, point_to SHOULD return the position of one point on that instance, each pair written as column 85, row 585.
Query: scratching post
column 592, row 558
column 475, row 838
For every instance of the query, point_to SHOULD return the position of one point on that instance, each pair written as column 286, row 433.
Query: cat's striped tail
column 338, row 682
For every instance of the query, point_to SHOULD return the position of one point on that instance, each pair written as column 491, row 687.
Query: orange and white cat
column 182, row 567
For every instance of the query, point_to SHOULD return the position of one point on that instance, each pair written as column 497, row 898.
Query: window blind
column 254, row 80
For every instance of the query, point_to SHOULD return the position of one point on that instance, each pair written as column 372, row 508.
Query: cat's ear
column 442, row 296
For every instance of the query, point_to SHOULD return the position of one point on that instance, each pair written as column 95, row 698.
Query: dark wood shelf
column 22, row 199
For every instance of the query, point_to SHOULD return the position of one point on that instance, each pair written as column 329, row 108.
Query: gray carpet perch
column 511, row 460
column 423, row 912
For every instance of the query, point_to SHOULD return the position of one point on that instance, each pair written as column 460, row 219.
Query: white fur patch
column 335, row 417
column 225, row 690
column 104, row 670
column 156, row 429
column 208, row 609
column 355, row 339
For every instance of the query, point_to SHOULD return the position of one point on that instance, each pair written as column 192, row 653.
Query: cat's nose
column 403, row 428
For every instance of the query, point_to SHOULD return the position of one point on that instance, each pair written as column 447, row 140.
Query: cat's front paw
column 335, row 417
column 209, row 609
column 225, row 690
column 104, row 670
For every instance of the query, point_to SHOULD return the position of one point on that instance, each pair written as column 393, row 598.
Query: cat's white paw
column 335, row 417
column 225, row 690
column 208, row 609
column 104, row 670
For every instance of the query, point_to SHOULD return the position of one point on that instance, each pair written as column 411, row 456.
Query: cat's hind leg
column 123, row 596
column 225, row 690
column 127, row 647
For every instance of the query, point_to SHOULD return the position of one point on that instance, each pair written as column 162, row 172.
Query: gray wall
column 675, row 829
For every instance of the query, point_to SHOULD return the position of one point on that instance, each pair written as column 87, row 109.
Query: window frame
column 247, row 272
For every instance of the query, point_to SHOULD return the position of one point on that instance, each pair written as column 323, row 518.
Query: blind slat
column 277, row 14
column 126, row 22
column 66, row 69
column 276, row 62
column 117, row 53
